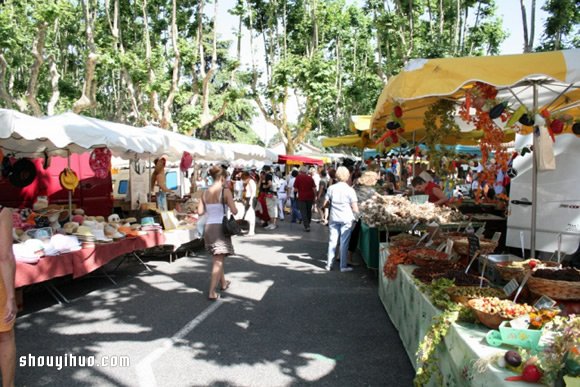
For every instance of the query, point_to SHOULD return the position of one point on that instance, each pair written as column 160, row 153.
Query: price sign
column 449, row 246
column 544, row 302
column 482, row 272
column 429, row 243
column 496, row 236
column 480, row 231
column 471, row 262
column 442, row 246
column 473, row 241
column 415, row 226
column 526, row 278
column 510, row 287
column 422, row 238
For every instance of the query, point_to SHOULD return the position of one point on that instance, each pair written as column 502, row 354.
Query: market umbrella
column 539, row 81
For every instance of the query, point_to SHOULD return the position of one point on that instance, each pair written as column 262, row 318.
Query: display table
column 411, row 313
column 83, row 261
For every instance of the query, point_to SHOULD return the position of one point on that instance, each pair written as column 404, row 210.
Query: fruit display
column 383, row 211
column 568, row 274
column 423, row 256
column 397, row 256
column 492, row 311
column 404, row 240
column 541, row 317
column 463, row 294
column 434, row 269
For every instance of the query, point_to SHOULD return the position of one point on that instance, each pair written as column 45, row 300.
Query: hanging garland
column 439, row 123
column 482, row 98
column 427, row 361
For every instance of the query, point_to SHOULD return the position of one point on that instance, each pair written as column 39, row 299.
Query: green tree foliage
column 143, row 74
column 562, row 27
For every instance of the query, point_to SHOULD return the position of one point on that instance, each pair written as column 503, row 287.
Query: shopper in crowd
column 249, row 197
column 262, row 208
column 282, row 196
column 343, row 211
column 322, row 187
column 305, row 187
column 436, row 195
column 215, row 201
column 296, row 216
column 8, row 308
column 158, row 179
column 271, row 194
column 365, row 189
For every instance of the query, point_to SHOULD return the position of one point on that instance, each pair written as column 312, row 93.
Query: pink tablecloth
column 82, row 262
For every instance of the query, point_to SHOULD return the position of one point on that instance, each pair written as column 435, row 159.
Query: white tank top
column 214, row 211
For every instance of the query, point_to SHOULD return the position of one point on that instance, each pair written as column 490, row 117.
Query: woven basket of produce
column 461, row 246
column 462, row 294
column 423, row 257
column 491, row 311
column 557, row 284
column 404, row 240
column 518, row 269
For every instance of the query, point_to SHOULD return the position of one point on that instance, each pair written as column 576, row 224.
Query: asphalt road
column 285, row 321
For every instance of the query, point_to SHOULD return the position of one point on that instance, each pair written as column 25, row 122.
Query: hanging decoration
column 492, row 141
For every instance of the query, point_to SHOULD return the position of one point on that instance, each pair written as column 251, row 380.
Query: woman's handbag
column 230, row 225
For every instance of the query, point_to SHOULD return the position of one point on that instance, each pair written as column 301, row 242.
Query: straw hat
column 368, row 178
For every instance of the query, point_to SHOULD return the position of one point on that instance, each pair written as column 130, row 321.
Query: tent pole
column 69, row 192
column 414, row 160
column 534, row 180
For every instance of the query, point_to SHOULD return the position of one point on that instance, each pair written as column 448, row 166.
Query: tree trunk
column 532, row 26
column 525, row 26
column 38, row 54
column 4, row 93
column 167, row 120
column 55, row 95
column 154, row 107
column 119, row 48
column 88, row 98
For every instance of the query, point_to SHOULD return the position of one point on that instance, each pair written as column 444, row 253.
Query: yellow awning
column 353, row 140
column 360, row 123
column 555, row 75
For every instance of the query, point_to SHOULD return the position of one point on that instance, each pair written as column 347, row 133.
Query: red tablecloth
column 47, row 268
column 104, row 253
column 82, row 262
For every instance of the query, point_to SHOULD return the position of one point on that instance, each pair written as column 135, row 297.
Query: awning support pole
column 534, row 180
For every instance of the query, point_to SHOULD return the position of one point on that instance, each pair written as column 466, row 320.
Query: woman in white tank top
column 214, row 202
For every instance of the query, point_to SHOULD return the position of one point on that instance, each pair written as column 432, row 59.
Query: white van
column 558, row 198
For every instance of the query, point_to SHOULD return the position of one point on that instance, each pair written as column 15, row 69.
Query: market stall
column 459, row 325
column 495, row 94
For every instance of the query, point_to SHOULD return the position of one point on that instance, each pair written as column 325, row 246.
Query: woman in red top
column 436, row 195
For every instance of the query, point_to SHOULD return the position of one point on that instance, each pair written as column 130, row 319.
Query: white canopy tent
column 251, row 152
column 84, row 133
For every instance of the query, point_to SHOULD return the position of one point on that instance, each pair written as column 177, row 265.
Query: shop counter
column 81, row 262
column 411, row 313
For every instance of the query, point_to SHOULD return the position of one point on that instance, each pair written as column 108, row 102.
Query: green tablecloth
column 411, row 313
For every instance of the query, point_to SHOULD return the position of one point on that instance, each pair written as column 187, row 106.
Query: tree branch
column 88, row 97
column 54, row 78
column 166, row 120
column 38, row 54
column 154, row 107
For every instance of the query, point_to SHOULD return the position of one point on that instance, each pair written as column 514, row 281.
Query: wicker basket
column 491, row 321
column 475, row 292
column 558, row 290
column 508, row 273
column 461, row 246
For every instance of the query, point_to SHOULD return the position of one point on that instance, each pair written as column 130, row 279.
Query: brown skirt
column 216, row 243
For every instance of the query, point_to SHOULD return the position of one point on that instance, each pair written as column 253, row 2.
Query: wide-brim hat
column 68, row 179
column 23, row 173
column 368, row 178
